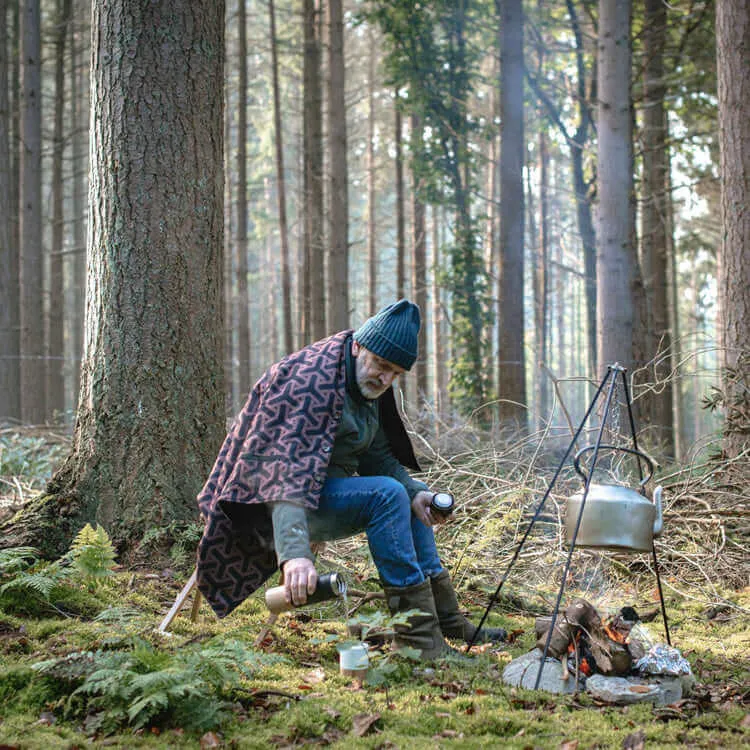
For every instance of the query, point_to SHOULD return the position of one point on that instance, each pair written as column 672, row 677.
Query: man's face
column 374, row 374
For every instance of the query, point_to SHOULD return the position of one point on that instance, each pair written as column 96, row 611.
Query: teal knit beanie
column 392, row 333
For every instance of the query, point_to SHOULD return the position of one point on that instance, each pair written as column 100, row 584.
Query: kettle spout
column 658, row 521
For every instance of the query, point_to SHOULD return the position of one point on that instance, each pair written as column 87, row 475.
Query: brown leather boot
column 452, row 623
column 422, row 632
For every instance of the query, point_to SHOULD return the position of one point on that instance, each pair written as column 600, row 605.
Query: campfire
column 586, row 645
column 616, row 660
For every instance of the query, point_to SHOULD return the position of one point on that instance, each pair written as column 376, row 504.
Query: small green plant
column 92, row 554
column 32, row 458
column 23, row 574
column 140, row 685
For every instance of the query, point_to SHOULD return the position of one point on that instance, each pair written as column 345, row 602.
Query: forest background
column 189, row 190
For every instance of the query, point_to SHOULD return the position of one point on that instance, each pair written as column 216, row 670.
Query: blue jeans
column 402, row 547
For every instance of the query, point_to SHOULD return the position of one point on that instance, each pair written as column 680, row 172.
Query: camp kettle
column 615, row 517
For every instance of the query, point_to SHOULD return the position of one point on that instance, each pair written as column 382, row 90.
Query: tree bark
column 33, row 406
column 616, row 260
column 511, row 369
column 733, row 58
column 56, row 310
column 286, row 281
column 338, row 241
column 10, row 376
column 151, row 414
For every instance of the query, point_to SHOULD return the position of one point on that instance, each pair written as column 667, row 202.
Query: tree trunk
column 653, row 351
column 33, row 406
column 438, row 353
column 540, row 283
column 286, row 281
column 338, row 241
column 56, row 309
column 733, row 53
column 372, row 256
column 400, row 222
column 419, row 268
column 315, row 327
column 79, row 150
column 616, row 259
column 241, row 244
column 151, row 410
column 10, row 381
column 512, row 370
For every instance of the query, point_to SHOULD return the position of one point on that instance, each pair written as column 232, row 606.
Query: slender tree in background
column 338, row 237
column 56, row 305
column 79, row 152
column 653, row 348
column 419, row 257
column 616, row 259
column 511, row 367
column 372, row 257
column 733, row 54
column 10, row 382
column 151, row 413
column 400, row 218
column 313, row 325
column 540, row 281
column 286, row 280
column 33, row 406
column 241, row 245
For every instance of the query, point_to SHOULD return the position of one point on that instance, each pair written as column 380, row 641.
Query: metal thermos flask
column 329, row 586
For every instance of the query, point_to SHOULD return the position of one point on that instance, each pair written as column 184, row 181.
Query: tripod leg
column 661, row 595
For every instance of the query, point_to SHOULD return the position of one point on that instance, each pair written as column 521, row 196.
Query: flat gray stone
column 627, row 690
column 522, row 672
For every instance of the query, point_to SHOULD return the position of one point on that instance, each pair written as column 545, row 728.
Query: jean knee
column 392, row 495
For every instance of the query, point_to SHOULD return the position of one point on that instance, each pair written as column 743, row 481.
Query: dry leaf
column 315, row 676
column 639, row 689
column 442, row 715
column 745, row 721
column 568, row 745
column 363, row 723
column 635, row 741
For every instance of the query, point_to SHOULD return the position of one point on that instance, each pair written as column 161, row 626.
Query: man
column 319, row 453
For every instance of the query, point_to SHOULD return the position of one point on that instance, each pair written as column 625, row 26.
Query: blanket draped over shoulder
column 278, row 449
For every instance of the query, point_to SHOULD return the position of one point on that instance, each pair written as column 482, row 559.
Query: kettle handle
column 582, row 473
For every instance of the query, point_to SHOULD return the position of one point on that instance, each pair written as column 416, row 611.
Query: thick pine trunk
column 10, row 381
column 733, row 49
column 151, row 409
column 33, row 406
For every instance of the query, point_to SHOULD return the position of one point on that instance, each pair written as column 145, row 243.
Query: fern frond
column 92, row 552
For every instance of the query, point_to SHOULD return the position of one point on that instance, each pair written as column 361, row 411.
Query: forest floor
column 83, row 665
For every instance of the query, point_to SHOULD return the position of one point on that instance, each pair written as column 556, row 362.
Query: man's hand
column 420, row 506
column 300, row 579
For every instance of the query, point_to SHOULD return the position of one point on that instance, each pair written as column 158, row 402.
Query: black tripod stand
column 613, row 371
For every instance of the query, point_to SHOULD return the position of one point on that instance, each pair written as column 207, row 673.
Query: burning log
column 580, row 632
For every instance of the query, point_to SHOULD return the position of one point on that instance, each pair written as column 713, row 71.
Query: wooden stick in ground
column 179, row 602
